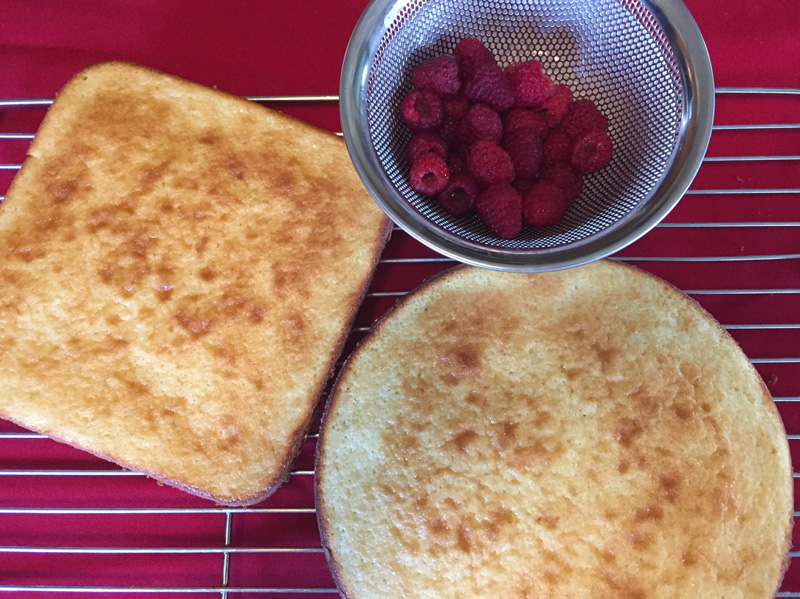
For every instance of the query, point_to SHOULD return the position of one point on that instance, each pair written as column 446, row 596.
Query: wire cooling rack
column 71, row 524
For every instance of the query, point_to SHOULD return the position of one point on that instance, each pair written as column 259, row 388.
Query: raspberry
column 472, row 55
column 421, row 111
column 522, row 185
column 489, row 164
column 567, row 178
column 591, row 152
column 513, row 68
column 439, row 74
column 500, row 209
column 523, row 117
column 460, row 196
column 455, row 107
column 481, row 122
column 544, row 204
column 583, row 116
column 540, row 148
column 490, row 85
column 429, row 174
column 457, row 164
column 448, row 131
column 525, row 149
column 557, row 147
column 556, row 106
column 531, row 87
column 462, row 150
column 422, row 143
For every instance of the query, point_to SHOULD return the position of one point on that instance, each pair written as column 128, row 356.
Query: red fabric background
column 276, row 47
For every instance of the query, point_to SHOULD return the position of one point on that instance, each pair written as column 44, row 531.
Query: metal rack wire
column 220, row 543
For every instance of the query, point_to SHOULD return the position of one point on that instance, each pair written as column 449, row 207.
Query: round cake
column 586, row 433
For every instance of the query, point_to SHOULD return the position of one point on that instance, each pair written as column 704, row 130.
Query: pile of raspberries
column 507, row 143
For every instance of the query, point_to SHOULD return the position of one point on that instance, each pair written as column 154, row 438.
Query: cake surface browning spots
column 142, row 319
column 196, row 324
column 568, row 446
column 460, row 362
column 464, row 439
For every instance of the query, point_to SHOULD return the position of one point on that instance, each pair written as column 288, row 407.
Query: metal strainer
column 644, row 64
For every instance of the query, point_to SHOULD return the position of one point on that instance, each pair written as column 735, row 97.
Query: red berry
column 522, row 185
column 591, row 152
column 460, row 196
column 457, row 164
column 472, row 55
column 462, row 150
column 439, row 74
column 513, row 68
column 583, row 116
column 544, row 204
column 448, row 131
column 489, row 164
column 531, row 87
column 548, row 138
column 480, row 122
column 455, row 107
column 490, row 85
column 525, row 149
column 421, row 111
column 500, row 209
column 429, row 174
column 556, row 106
column 422, row 143
column 523, row 117
column 557, row 147
column 567, row 178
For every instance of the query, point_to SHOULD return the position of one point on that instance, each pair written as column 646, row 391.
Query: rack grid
column 73, row 524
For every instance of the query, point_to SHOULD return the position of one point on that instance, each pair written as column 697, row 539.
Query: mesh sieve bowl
column 643, row 62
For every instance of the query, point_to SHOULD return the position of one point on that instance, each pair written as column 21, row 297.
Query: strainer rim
column 698, row 90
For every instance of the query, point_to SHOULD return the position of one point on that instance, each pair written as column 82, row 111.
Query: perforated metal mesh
column 612, row 52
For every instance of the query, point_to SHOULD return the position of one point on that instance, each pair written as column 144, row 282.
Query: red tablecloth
column 270, row 47
column 275, row 47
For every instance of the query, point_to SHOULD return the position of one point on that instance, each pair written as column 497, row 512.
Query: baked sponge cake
column 180, row 270
column 588, row 433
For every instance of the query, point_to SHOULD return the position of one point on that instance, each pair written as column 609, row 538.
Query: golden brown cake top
column 181, row 269
column 588, row 433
